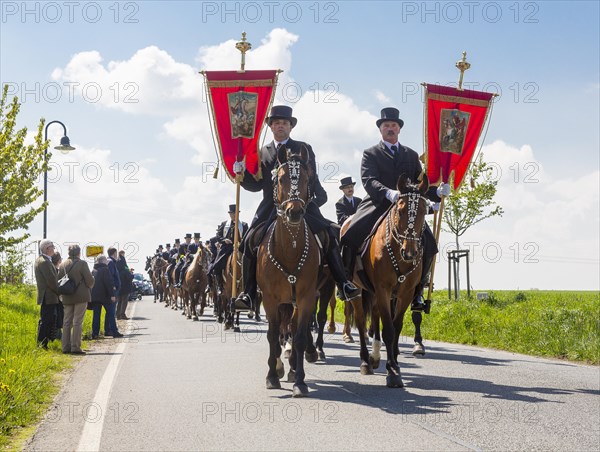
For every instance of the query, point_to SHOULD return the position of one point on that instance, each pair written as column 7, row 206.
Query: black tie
column 394, row 150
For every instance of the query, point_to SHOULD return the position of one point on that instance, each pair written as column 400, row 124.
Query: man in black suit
column 46, row 278
column 225, row 236
column 281, row 123
column 348, row 203
column 381, row 166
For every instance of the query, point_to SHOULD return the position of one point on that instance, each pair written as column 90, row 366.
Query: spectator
column 103, row 295
column 126, row 286
column 60, row 311
column 75, row 305
column 114, row 272
column 47, row 292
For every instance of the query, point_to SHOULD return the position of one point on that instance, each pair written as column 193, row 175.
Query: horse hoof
column 273, row 383
column 183, row 313
column 300, row 391
column 348, row 339
column 291, row 376
column 394, row 381
column 228, row 326
column 258, row 318
column 321, row 355
column 366, row 369
column 236, row 329
column 287, row 354
column 374, row 362
column 418, row 350
column 189, row 317
column 280, row 368
column 155, row 301
column 331, row 329
column 195, row 318
column 219, row 319
column 311, row 357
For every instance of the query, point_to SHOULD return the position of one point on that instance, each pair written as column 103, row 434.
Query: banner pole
column 437, row 226
column 236, row 236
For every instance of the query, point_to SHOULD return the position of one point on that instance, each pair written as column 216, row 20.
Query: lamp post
column 65, row 146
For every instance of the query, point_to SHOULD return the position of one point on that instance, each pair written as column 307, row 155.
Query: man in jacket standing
column 47, row 292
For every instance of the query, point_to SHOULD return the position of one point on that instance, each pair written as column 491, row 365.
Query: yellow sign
column 92, row 251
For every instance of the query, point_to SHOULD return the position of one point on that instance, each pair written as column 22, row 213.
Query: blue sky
column 362, row 56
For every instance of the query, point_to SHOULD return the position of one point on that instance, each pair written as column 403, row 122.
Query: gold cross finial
column 243, row 46
column 462, row 66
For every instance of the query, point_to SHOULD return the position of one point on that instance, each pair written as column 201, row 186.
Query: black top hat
column 281, row 112
column 345, row 181
column 160, row 247
column 390, row 114
column 176, row 241
column 231, row 208
column 196, row 235
column 168, row 245
column 188, row 235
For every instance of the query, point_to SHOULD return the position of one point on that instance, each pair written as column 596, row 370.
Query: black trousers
column 47, row 323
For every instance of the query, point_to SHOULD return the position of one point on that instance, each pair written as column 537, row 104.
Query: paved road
column 175, row 384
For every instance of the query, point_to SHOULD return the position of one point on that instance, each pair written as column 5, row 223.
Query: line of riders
column 380, row 168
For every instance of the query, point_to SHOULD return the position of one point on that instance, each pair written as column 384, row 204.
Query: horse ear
column 402, row 182
column 281, row 154
column 424, row 185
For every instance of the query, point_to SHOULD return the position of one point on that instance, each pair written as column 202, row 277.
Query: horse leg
column 348, row 315
column 360, row 306
column 324, row 301
column 375, row 356
column 273, row 375
column 195, row 296
column 310, row 354
column 419, row 348
column 293, row 350
column 393, row 379
column 257, row 303
column 300, row 341
column 236, row 328
column 332, row 302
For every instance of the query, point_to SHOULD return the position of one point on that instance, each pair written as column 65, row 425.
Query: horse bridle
column 410, row 234
column 295, row 167
column 294, row 193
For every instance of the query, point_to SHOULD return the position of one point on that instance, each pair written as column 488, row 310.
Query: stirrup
column 350, row 291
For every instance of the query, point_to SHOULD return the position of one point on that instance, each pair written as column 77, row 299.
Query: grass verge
column 556, row 324
column 29, row 376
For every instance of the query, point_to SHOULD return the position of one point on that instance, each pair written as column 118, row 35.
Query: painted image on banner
column 242, row 112
column 453, row 128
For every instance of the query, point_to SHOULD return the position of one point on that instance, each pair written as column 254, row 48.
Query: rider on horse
column 281, row 123
column 381, row 166
column 225, row 235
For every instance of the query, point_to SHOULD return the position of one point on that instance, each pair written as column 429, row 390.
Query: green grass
column 29, row 376
column 556, row 324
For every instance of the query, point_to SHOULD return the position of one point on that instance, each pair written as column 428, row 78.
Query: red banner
column 239, row 103
column 454, row 122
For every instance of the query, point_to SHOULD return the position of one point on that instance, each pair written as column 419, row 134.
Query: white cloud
column 382, row 98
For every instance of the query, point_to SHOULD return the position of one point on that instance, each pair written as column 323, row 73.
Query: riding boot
column 429, row 251
column 418, row 304
column 348, row 290
column 219, row 280
column 245, row 299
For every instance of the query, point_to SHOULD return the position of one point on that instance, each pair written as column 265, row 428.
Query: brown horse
column 157, row 271
column 194, row 285
column 288, row 266
column 393, row 263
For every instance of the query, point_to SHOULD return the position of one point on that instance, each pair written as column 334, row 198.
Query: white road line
column 92, row 431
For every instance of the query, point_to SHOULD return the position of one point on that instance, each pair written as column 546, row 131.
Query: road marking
column 92, row 431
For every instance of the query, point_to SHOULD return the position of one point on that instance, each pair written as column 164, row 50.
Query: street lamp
column 65, row 146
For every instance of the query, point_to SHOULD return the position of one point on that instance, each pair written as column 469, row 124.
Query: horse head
column 148, row 263
column 292, row 181
column 409, row 221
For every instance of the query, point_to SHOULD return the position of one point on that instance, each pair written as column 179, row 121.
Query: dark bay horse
column 288, row 266
column 393, row 263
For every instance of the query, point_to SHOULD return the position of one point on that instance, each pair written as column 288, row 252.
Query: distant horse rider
column 348, row 203
column 225, row 236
